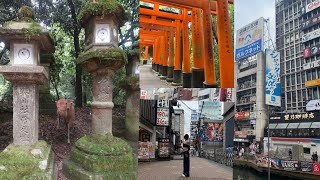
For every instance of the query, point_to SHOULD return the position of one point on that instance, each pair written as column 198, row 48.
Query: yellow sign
column 311, row 83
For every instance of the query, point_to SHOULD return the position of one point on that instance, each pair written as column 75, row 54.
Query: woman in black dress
column 186, row 156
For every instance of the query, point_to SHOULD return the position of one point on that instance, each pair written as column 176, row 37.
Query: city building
column 297, row 40
column 228, row 124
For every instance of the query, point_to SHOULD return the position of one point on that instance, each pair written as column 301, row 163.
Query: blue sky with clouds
column 246, row 11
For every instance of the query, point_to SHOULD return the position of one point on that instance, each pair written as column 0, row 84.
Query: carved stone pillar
column 102, row 102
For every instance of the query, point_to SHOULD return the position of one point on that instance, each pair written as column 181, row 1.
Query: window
column 306, row 150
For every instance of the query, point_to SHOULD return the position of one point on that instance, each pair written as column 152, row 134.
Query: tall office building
column 297, row 26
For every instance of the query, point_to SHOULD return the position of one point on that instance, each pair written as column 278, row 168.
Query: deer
column 65, row 112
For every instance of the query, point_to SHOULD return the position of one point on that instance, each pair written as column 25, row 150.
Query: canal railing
column 218, row 155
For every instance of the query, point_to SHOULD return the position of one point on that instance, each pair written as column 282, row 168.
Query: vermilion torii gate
column 168, row 34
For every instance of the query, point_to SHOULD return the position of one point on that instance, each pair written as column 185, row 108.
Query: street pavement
column 148, row 79
column 200, row 168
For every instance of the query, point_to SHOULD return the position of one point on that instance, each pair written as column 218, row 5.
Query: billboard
column 163, row 117
column 273, row 88
column 311, row 35
column 211, row 132
column 306, row 23
column 313, row 105
column 311, row 65
column 312, row 83
column 249, row 39
column 311, row 6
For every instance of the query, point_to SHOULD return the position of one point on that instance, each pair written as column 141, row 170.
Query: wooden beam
column 157, row 22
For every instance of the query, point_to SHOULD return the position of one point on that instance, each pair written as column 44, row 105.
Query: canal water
column 240, row 173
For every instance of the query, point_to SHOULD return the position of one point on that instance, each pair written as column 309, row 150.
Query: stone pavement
column 200, row 168
column 148, row 79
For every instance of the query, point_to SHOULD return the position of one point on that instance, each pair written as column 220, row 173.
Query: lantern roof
column 26, row 29
column 102, row 8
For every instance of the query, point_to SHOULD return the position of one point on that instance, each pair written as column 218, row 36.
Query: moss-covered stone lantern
column 25, row 39
column 100, row 155
column 26, row 157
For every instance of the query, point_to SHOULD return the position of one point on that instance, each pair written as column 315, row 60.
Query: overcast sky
column 246, row 11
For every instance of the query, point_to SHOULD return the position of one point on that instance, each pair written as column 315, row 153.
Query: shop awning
column 272, row 126
column 293, row 125
column 282, row 126
column 315, row 125
column 304, row 125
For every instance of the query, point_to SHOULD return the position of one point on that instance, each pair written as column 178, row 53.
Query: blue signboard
column 273, row 88
column 249, row 40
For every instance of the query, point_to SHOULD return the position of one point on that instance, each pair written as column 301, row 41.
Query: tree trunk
column 78, row 88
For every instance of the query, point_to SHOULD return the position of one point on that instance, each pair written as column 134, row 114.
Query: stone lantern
column 100, row 155
column 131, row 85
column 27, row 42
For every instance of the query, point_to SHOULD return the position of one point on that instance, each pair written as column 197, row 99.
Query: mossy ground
column 17, row 162
column 102, row 8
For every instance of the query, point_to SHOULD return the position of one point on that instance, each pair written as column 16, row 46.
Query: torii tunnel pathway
column 180, row 41
column 200, row 169
column 148, row 79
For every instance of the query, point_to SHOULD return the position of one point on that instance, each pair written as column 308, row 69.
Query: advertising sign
column 311, row 65
column 311, row 35
column 244, row 115
column 297, row 117
column 273, row 88
column 311, row 6
column 306, row 23
column 212, row 132
column 241, row 134
column 306, row 166
column 239, row 115
column 316, row 168
column 313, row 105
column 229, row 95
column 194, row 117
column 164, row 148
column 162, row 116
column 249, row 40
column 143, row 94
column 290, row 165
column 311, row 83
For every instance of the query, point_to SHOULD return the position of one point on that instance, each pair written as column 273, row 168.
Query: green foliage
column 26, row 11
column 102, row 8
column 33, row 30
column 119, row 95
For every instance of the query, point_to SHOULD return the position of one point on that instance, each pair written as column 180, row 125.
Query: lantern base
column 97, row 156
column 187, row 80
column 38, row 162
column 197, row 78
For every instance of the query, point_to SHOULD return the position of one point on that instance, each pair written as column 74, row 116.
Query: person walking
column 186, row 156
column 313, row 158
column 316, row 157
column 290, row 154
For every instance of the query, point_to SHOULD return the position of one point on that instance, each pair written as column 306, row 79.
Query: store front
column 295, row 128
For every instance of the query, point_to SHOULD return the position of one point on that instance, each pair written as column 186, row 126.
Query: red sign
column 306, row 53
column 163, row 117
column 316, row 168
column 239, row 115
column 143, row 94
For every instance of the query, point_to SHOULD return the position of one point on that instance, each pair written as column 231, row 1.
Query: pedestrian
column 316, row 156
column 290, row 154
column 313, row 158
column 241, row 151
column 186, row 156
column 196, row 148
